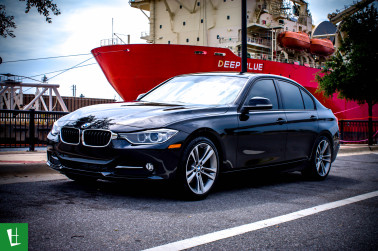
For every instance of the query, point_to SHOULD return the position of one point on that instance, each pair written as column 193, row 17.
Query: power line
column 60, row 70
column 75, row 66
column 31, row 59
column 12, row 75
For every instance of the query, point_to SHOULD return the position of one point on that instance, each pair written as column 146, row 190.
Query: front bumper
column 118, row 160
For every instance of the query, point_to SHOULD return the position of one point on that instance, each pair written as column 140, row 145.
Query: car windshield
column 199, row 90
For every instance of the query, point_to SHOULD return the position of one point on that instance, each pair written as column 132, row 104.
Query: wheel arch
column 214, row 137
column 326, row 134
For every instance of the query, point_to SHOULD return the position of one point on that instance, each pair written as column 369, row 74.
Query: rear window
column 307, row 100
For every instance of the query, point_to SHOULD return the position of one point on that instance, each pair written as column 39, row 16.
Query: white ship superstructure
column 217, row 23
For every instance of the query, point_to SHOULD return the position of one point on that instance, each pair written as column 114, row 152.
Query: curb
column 357, row 148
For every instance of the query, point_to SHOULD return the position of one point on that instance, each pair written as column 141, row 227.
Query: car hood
column 135, row 116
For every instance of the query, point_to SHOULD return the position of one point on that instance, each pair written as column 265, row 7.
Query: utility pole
column 74, row 90
column 244, row 36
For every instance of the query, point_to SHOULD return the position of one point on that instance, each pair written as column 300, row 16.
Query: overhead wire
column 64, row 70
column 31, row 59
column 75, row 66
column 60, row 70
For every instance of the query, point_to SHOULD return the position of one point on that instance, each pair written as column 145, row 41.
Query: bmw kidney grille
column 96, row 137
column 90, row 137
column 70, row 135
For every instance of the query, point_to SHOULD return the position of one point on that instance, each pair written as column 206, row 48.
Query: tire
column 198, row 169
column 321, row 160
column 81, row 178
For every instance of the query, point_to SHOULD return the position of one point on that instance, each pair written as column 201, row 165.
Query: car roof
column 247, row 75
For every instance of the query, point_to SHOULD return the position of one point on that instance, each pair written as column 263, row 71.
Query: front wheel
column 321, row 160
column 199, row 168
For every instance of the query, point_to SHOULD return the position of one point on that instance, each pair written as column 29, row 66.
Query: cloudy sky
column 80, row 28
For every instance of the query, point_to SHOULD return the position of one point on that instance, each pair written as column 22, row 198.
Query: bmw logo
column 86, row 125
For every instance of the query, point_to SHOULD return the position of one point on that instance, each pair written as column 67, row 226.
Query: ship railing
column 144, row 34
column 267, row 56
column 224, row 40
column 257, row 40
column 250, row 40
column 110, row 41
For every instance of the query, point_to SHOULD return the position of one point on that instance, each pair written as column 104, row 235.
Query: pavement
column 26, row 166
column 339, row 213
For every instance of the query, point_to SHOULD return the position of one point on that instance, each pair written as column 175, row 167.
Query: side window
column 291, row 96
column 308, row 102
column 265, row 89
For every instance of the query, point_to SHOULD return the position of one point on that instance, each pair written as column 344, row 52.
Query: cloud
column 77, row 30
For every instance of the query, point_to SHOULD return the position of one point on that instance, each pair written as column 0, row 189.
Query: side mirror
column 257, row 103
column 140, row 96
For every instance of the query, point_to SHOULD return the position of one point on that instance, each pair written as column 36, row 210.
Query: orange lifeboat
column 294, row 40
column 323, row 47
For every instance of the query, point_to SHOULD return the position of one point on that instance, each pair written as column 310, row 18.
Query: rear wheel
column 199, row 168
column 321, row 160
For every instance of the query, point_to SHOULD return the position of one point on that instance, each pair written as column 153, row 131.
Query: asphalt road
column 64, row 215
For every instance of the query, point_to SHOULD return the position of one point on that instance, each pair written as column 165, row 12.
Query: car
column 193, row 127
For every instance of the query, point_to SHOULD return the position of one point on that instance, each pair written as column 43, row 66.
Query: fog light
column 149, row 167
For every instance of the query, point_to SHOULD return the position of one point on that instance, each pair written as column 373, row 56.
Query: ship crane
column 337, row 17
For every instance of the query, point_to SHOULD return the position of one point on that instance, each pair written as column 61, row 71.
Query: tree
column 43, row 7
column 351, row 72
column 44, row 79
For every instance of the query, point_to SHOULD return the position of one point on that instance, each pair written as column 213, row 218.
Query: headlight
column 55, row 129
column 149, row 137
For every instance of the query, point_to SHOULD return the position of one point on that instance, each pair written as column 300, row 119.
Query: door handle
column 313, row 117
column 281, row 121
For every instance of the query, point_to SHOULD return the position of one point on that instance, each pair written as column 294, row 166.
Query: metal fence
column 16, row 125
column 356, row 131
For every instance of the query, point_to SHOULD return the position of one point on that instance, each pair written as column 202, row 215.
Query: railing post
column 341, row 129
column 31, row 130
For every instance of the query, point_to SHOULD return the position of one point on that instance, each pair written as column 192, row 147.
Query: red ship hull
column 136, row 68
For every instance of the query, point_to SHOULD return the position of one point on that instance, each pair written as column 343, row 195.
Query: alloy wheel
column 323, row 158
column 201, row 168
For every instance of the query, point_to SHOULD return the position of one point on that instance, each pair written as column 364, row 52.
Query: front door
column 262, row 133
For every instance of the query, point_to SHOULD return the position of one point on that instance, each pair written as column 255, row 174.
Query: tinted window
column 309, row 103
column 265, row 89
column 291, row 96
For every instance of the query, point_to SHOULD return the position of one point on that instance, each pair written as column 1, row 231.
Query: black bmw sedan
column 193, row 127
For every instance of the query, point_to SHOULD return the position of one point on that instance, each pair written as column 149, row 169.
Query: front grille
column 96, row 137
column 70, row 135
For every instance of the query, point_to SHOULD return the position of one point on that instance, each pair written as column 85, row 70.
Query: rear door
column 302, row 120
